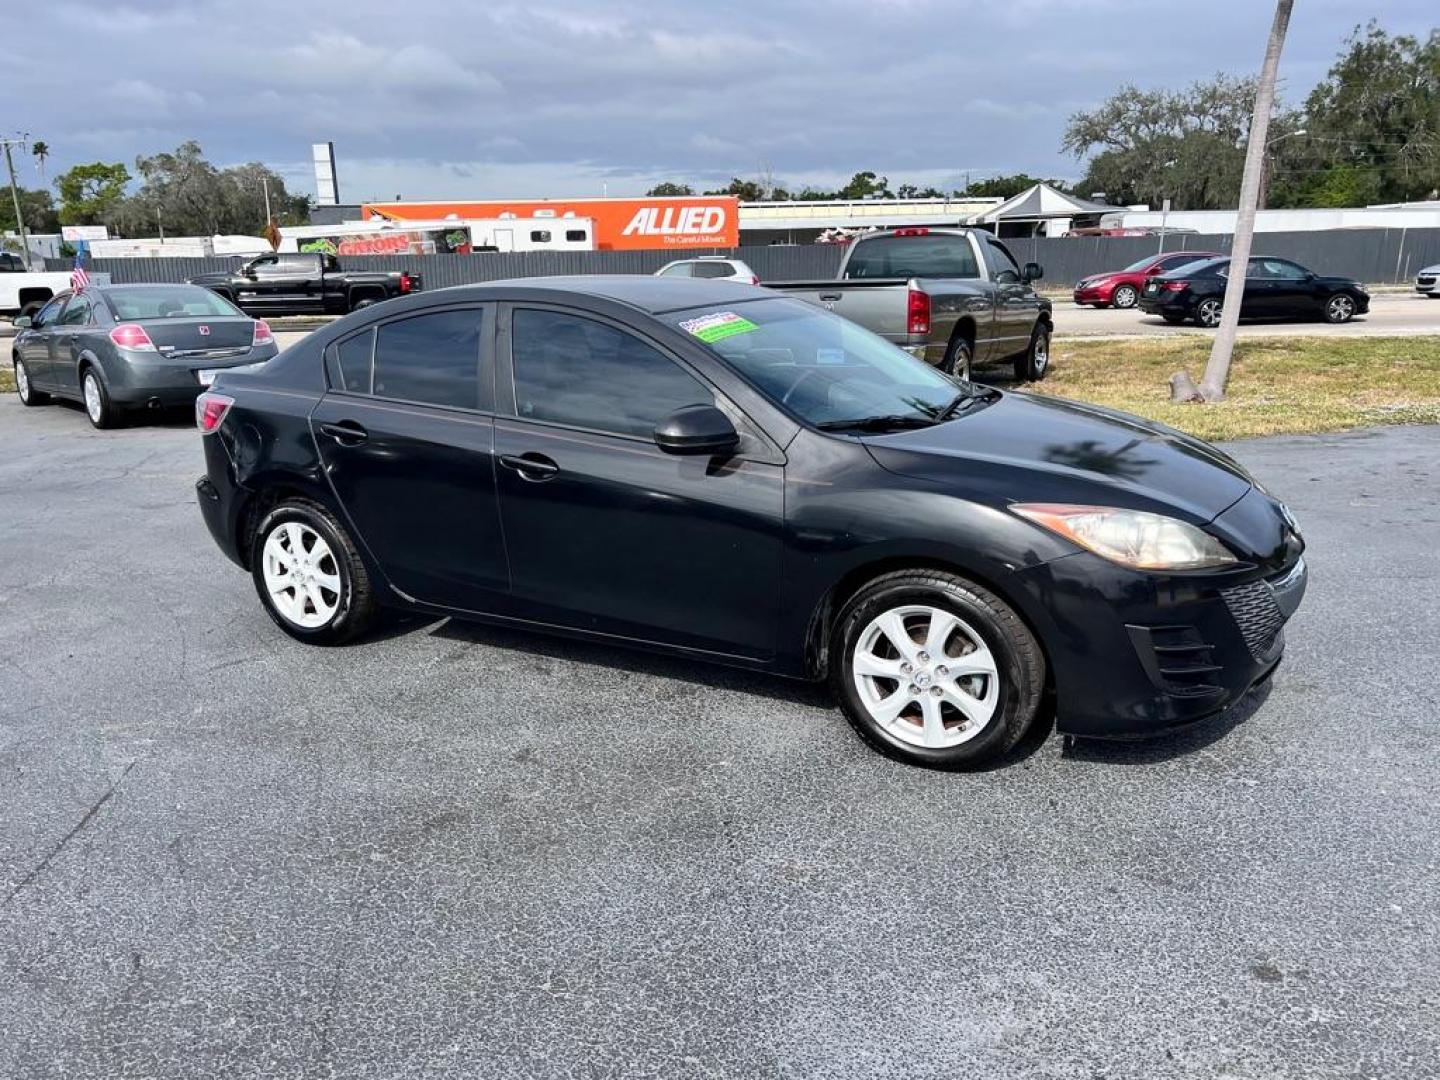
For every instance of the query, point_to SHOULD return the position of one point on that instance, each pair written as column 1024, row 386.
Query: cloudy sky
column 444, row 98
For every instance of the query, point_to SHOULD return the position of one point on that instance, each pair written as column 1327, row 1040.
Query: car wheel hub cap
column 22, row 380
column 92, row 397
column 925, row 677
column 301, row 575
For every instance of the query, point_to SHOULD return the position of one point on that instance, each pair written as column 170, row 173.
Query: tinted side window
column 540, row 236
column 267, row 264
column 430, row 358
column 574, row 235
column 677, row 270
column 350, row 363
column 77, row 312
column 571, row 370
column 712, row 270
column 1002, row 264
column 50, row 312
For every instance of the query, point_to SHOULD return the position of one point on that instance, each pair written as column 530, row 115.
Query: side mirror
column 697, row 429
column 22, row 322
column 1033, row 272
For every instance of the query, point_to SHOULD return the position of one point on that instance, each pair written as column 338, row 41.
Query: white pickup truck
column 24, row 292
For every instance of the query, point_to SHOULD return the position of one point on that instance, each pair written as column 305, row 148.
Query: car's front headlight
column 1131, row 538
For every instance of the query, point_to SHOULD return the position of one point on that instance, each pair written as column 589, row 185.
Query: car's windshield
column 170, row 302
column 824, row 369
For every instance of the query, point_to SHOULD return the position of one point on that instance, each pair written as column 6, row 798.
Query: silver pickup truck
column 956, row 298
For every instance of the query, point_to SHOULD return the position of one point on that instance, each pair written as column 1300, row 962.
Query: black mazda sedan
column 714, row 471
column 1274, row 289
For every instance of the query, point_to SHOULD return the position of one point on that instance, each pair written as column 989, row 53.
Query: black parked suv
column 709, row 469
column 305, row 283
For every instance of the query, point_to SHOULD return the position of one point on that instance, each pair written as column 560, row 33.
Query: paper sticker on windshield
column 717, row 327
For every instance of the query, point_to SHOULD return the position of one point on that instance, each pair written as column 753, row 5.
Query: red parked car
column 1121, row 288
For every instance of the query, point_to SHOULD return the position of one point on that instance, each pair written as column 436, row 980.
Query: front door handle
column 346, row 432
column 531, row 466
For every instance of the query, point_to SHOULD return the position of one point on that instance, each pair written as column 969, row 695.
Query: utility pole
column 1217, row 370
column 15, row 194
column 265, row 183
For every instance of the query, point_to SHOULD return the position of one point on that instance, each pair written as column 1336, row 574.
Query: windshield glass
column 169, row 302
column 821, row 367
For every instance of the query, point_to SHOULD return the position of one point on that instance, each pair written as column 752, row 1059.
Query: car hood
column 1429, row 269
column 1031, row 448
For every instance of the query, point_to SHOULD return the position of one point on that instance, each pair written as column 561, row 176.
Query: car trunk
column 200, row 338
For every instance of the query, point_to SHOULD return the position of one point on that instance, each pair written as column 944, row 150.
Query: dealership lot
column 459, row 850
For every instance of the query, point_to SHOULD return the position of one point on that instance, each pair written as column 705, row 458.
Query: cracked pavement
column 458, row 851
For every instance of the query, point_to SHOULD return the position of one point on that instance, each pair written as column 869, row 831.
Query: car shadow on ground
column 1166, row 747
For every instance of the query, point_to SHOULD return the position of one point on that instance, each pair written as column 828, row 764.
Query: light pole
column 1265, row 168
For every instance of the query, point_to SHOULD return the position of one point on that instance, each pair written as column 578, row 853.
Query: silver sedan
column 1427, row 282
column 118, row 347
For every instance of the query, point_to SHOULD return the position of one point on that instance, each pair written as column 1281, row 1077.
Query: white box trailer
column 177, row 247
column 448, row 236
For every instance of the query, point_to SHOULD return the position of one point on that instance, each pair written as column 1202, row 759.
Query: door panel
column 1016, row 303
column 418, row 484
column 624, row 539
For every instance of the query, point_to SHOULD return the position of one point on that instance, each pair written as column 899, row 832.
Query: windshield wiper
column 962, row 401
column 877, row 423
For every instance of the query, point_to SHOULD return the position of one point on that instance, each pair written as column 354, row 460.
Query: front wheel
column 1340, row 308
column 959, row 359
column 1125, row 296
column 933, row 670
column 309, row 575
column 1207, row 314
column 1034, row 363
column 28, row 394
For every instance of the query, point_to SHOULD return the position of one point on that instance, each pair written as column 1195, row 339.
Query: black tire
column 364, row 302
column 1125, row 296
column 102, row 412
column 1034, row 363
column 1339, row 308
column 1019, row 664
column 959, row 358
column 356, row 607
column 24, row 389
column 1208, row 312
column 1173, row 320
column 1432, row 296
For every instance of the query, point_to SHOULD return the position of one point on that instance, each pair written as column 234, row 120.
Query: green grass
column 7, row 379
column 1277, row 386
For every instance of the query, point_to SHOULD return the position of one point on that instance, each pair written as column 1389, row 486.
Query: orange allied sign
column 692, row 221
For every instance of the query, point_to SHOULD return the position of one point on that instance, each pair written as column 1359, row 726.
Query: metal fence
column 1372, row 255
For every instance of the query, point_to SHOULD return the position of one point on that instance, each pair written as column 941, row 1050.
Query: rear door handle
column 830, row 298
column 531, row 466
column 346, row 432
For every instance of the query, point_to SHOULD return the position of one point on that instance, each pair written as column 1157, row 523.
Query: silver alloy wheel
column 1124, row 296
column 1340, row 309
column 1041, row 354
column 1208, row 313
column 925, row 676
column 93, row 405
column 22, row 381
column 301, row 575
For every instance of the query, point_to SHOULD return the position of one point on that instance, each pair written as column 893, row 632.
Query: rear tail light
column 754, row 279
column 263, row 334
column 130, row 335
column 210, row 410
column 405, row 283
column 918, row 312
column 1176, row 286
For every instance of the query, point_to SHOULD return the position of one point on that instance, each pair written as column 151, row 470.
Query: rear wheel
column 1207, row 313
column 959, row 358
column 28, row 394
column 361, row 302
column 98, row 406
column 1340, row 308
column 309, row 575
column 1034, row 363
column 934, row 670
column 1125, row 296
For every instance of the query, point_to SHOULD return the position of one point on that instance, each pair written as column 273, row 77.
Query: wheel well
column 261, row 502
column 366, row 292
column 822, row 621
column 964, row 328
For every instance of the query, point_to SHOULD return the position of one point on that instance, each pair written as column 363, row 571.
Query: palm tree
column 41, row 150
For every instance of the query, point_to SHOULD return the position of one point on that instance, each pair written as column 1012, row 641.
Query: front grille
column 1256, row 613
column 1425, row 279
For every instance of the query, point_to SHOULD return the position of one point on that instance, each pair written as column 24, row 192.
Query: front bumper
column 1094, row 294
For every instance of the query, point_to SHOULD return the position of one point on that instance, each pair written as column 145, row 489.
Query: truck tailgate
column 878, row 304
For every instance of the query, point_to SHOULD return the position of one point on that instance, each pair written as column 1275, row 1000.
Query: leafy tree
column 910, row 191
column 37, row 207
column 41, row 151
column 89, row 193
column 745, row 190
column 670, row 189
column 186, row 195
column 1186, row 145
column 1006, row 187
column 1372, row 127
column 865, row 185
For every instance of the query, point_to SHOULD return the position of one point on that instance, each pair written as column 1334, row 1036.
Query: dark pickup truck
column 305, row 284
column 953, row 297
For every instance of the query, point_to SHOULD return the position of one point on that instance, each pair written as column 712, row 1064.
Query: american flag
column 79, row 279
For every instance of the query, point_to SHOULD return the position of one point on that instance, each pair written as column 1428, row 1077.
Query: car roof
column 645, row 292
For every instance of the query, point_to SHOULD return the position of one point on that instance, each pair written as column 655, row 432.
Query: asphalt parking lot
column 458, row 851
